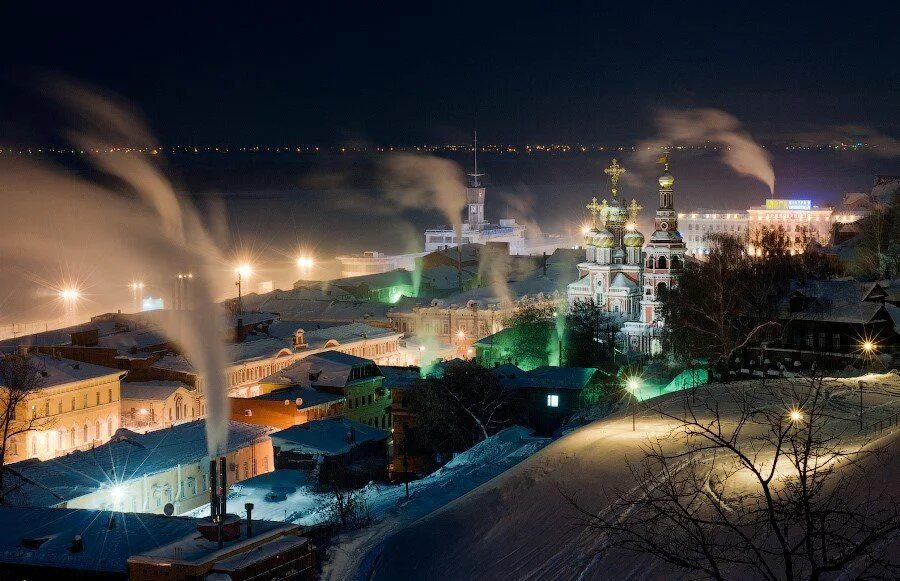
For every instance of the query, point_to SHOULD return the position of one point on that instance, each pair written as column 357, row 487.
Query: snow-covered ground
column 521, row 526
column 288, row 495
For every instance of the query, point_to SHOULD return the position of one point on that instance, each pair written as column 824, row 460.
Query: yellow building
column 801, row 222
column 75, row 407
column 151, row 405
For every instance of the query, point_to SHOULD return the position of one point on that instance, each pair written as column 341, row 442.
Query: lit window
column 552, row 401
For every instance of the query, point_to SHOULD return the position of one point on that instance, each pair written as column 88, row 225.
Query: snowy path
column 354, row 554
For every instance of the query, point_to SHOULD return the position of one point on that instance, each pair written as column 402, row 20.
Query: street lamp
column 305, row 262
column 633, row 384
column 242, row 270
column 795, row 415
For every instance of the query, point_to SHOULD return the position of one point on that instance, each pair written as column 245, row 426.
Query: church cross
column 633, row 210
column 614, row 171
column 594, row 208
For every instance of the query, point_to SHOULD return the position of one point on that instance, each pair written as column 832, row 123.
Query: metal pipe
column 213, row 485
column 223, row 493
column 249, row 508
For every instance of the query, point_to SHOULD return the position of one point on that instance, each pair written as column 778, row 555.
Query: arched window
column 110, row 427
column 13, row 447
column 86, row 433
column 72, row 437
column 661, row 262
column 661, row 288
column 676, row 262
column 97, row 430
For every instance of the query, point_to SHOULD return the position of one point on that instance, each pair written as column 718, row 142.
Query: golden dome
column 666, row 180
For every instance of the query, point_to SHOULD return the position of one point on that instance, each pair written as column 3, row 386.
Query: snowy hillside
column 520, row 526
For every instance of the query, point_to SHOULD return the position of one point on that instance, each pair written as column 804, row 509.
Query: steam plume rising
column 415, row 181
column 60, row 218
column 704, row 126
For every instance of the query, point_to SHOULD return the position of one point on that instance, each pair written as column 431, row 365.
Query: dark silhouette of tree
column 767, row 479
column 457, row 409
column 590, row 336
column 20, row 377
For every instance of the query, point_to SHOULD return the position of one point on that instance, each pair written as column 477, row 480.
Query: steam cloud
column 52, row 218
column 712, row 126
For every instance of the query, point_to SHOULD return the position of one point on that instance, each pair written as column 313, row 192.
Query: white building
column 372, row 262
column 475, row 229
column 697, row 227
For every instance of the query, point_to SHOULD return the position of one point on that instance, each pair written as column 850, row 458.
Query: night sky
column 407, row 73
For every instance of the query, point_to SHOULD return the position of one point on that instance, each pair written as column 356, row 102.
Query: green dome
column 666, row 181
column 633, row 239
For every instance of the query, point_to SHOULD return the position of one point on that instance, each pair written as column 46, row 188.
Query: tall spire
column 475, row 175
column 614, row 171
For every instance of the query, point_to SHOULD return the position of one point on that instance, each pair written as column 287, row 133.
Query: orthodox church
column 625, row 274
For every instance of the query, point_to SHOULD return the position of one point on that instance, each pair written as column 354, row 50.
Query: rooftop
column 61, row 371
column 331, row 436
column 327, row 369
column 152, row 390
column 50, row 532
column 127, row 456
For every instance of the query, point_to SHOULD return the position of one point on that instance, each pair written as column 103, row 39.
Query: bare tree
column 768, row 478
column 20, row 377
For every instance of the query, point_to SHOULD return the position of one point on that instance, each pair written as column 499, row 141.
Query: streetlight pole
column 238, row 283
column 861, row 384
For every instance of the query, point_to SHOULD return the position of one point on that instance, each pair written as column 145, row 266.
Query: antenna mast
column 476, row 175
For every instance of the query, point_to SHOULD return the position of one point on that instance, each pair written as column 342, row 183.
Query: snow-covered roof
column 346, row 333
column 259, row 553
column 256, row 347
column 159, row 390
column 127, row 456
column 396, row 377
column 286, row 329
column 31, row 536
column 61, row 371
column 327, row 369
column 331, row 436
column 544, row 377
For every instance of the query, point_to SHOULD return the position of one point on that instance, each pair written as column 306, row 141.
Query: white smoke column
column 154, row 230
column 711, row 126
column 425, row 182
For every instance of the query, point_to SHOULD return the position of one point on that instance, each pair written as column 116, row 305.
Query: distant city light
column 136, row 285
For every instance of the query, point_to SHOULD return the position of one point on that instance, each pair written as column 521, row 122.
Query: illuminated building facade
column 802, row 222
column 697, row 227
column 75, row 407
column 371, row 262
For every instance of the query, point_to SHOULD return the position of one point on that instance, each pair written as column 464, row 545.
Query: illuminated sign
column 788, row 204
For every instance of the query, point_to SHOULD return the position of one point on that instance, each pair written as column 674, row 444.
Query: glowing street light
column 306, row 262
column 117, row 493
column 633, row 384
column 244, row 270
column 69, row 294
column 795, row 415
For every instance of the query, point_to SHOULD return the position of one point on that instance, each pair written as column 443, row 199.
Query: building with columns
column 622, row 273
